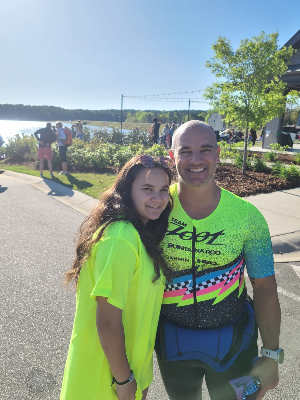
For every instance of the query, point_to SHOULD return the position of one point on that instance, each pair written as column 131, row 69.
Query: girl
column 78, row 128
column 118, row 272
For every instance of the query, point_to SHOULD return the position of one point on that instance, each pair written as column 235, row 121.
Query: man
column 155, row 129
column 212, row 235
column 253, row 136
column 45, row 137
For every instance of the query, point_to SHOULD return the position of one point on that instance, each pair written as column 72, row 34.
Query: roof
column 294, row 41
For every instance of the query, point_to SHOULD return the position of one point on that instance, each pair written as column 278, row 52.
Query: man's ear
column 171, row 154
column 218, row 153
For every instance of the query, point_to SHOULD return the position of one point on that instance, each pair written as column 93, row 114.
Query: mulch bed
column 284, row 158
column 231, row 178
column 228, row 177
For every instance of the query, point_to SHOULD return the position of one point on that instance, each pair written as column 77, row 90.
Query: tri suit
column 208, row 292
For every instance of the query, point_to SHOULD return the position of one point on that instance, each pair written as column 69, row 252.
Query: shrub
column 259, row 165
column 157, row 150
column 121, row 157
column 19, row 146
column 289, row 174
column 297, row 159
column 238, row 161
column 275, row 146
column 270, row 156
column 276, row 169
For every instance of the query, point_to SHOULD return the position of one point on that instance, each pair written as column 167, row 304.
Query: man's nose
column 196, row 157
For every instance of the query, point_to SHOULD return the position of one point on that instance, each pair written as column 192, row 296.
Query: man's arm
column 38, row 132
column 268, row 317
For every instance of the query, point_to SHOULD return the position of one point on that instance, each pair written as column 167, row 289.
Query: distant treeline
column 51, row 113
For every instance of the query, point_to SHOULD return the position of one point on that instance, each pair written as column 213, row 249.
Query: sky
column 80, row 54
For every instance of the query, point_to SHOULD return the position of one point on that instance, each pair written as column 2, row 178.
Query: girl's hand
column 127, row 392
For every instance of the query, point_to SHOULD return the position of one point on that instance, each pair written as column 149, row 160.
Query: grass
column 89, row 183
column 125, row 125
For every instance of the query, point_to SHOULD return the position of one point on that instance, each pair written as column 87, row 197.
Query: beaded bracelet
column 131, row 378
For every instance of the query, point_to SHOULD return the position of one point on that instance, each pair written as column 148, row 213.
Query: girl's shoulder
column 122, row 230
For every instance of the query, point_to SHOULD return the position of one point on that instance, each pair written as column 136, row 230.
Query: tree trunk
column 245, row 151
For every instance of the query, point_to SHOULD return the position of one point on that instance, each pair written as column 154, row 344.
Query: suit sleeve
column 258, row 246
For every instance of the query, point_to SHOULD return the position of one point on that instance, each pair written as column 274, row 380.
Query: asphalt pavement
column 37, row 311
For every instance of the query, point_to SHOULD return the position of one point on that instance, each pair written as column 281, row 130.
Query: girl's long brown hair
column 115, row 205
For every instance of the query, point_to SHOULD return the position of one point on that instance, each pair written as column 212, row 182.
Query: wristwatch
column 277, row 355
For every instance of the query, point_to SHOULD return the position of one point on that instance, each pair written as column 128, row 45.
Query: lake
column 9, row 129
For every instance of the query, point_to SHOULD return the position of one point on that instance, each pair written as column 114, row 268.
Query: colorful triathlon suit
column 209, row 256
column 120, row 269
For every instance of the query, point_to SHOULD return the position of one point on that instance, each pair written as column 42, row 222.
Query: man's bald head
column 195, row 125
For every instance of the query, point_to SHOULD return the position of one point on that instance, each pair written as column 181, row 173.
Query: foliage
column 276, row 169
column 21, row 146
column 297, row 158
column 278, row 147
column 238, row 161
column 290, row 173
column 259, row 165
column 248, row 91
column 228, row 150
column 291, row 115
column 270, row 156
column 157, row 150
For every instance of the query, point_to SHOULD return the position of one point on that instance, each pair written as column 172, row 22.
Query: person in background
column 171, row 131
column 155, row 129
column 119, row 273
column 45, row 137
column 62, row 148
column 78, row 128
column 164, row 134
column 253, row 136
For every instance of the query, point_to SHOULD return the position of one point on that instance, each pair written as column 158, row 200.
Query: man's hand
column 40, row 142
column 127, row 392
column 47, row 144
column 267, row 370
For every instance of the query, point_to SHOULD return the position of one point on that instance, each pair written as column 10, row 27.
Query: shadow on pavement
column 2, row 189
column 56, row 190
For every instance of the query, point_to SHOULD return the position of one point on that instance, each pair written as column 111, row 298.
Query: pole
column 121, row 111
column 189, row 110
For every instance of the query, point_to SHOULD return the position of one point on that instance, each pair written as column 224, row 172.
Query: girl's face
column 150, row 193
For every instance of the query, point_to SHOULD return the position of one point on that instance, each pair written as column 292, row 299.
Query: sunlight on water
column 8, row 129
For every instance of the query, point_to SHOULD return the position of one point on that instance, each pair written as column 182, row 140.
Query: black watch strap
column 131, row 378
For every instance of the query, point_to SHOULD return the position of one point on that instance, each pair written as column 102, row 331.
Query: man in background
column 45, row 137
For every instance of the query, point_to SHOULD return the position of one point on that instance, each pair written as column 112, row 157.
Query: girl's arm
column 112, row 338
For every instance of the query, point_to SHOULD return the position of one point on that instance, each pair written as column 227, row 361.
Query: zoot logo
column 206, row 237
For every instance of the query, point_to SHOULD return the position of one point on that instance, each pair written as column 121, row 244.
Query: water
column 8, row 129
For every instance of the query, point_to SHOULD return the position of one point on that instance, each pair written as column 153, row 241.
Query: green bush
column 276, row 169
column 297, row 158
column 238, row 161
column 157, row 150
column 270, row 156
column 21, row 146
column 289, row 174
column 259, row 165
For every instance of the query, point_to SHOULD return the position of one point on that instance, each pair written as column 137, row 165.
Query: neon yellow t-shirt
column 120, row 269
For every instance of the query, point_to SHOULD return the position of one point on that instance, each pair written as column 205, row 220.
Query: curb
column 72, row 198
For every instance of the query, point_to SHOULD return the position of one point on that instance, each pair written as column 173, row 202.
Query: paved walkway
column 281, row 210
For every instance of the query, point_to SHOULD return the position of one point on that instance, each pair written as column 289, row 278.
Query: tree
column 248, row 91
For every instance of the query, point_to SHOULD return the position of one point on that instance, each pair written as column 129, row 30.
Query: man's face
column 196, row 155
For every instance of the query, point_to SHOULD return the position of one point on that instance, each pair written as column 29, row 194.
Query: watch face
column 280, row 356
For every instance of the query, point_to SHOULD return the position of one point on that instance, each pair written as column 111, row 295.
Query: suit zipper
column 194, row 275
